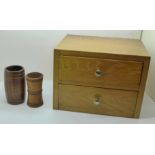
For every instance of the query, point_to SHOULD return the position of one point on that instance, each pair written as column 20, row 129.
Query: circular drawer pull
column 97, row 101
column 98, row 73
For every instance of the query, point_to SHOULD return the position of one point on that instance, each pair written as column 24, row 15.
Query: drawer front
column 106, row 73
column 97, row 100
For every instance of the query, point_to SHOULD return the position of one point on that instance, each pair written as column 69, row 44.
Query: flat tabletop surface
column 103, row 45
column 22, row 114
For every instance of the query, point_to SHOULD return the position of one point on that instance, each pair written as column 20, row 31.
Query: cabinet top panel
column 103, row 45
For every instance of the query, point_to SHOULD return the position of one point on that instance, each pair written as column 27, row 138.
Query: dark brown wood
column 14, row 77
column 34, row 83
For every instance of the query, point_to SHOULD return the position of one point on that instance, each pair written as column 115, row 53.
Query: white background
column 77, row 139
column 148, row 39
column 34, row 49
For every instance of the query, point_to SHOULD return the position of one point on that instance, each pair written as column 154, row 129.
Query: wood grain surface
column 113, row 70
column 103, row 45
column 117, row 74
column 112, row 102
column 14, row 82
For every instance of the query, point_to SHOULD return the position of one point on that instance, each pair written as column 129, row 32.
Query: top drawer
column 107, row 73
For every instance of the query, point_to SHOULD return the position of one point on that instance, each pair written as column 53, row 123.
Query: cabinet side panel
column 56, row 80
column 142, row 88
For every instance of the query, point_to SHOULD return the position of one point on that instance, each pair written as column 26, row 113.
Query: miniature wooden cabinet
column 100, row 75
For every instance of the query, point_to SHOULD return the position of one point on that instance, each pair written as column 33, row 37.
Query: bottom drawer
column 97, row 100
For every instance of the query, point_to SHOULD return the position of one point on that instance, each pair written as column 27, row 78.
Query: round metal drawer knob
column 98, row 73
column 97, row 101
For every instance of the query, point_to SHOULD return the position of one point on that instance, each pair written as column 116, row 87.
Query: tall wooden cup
column 14, row 77
column 34, row 84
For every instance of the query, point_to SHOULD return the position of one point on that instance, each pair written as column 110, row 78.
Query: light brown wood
column 103, row 55
column 56, row 80
column 103, row 45
column 124, row 63
column 112, row 102
column 142, row 88
column 81, row 71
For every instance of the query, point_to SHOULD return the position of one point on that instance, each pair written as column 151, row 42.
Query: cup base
column 15, row 103
column 35, row 105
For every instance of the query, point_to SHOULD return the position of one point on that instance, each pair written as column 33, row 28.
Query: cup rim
column 12, row 69
column 34, row 76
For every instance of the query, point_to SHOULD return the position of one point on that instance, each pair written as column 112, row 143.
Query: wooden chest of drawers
column 100, row 75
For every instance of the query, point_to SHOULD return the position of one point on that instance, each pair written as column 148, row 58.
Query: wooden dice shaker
column 14, row 77
column 34, row 83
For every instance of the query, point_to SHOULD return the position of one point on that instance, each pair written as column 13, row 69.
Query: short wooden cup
column 14, row 77
column 34, row 84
